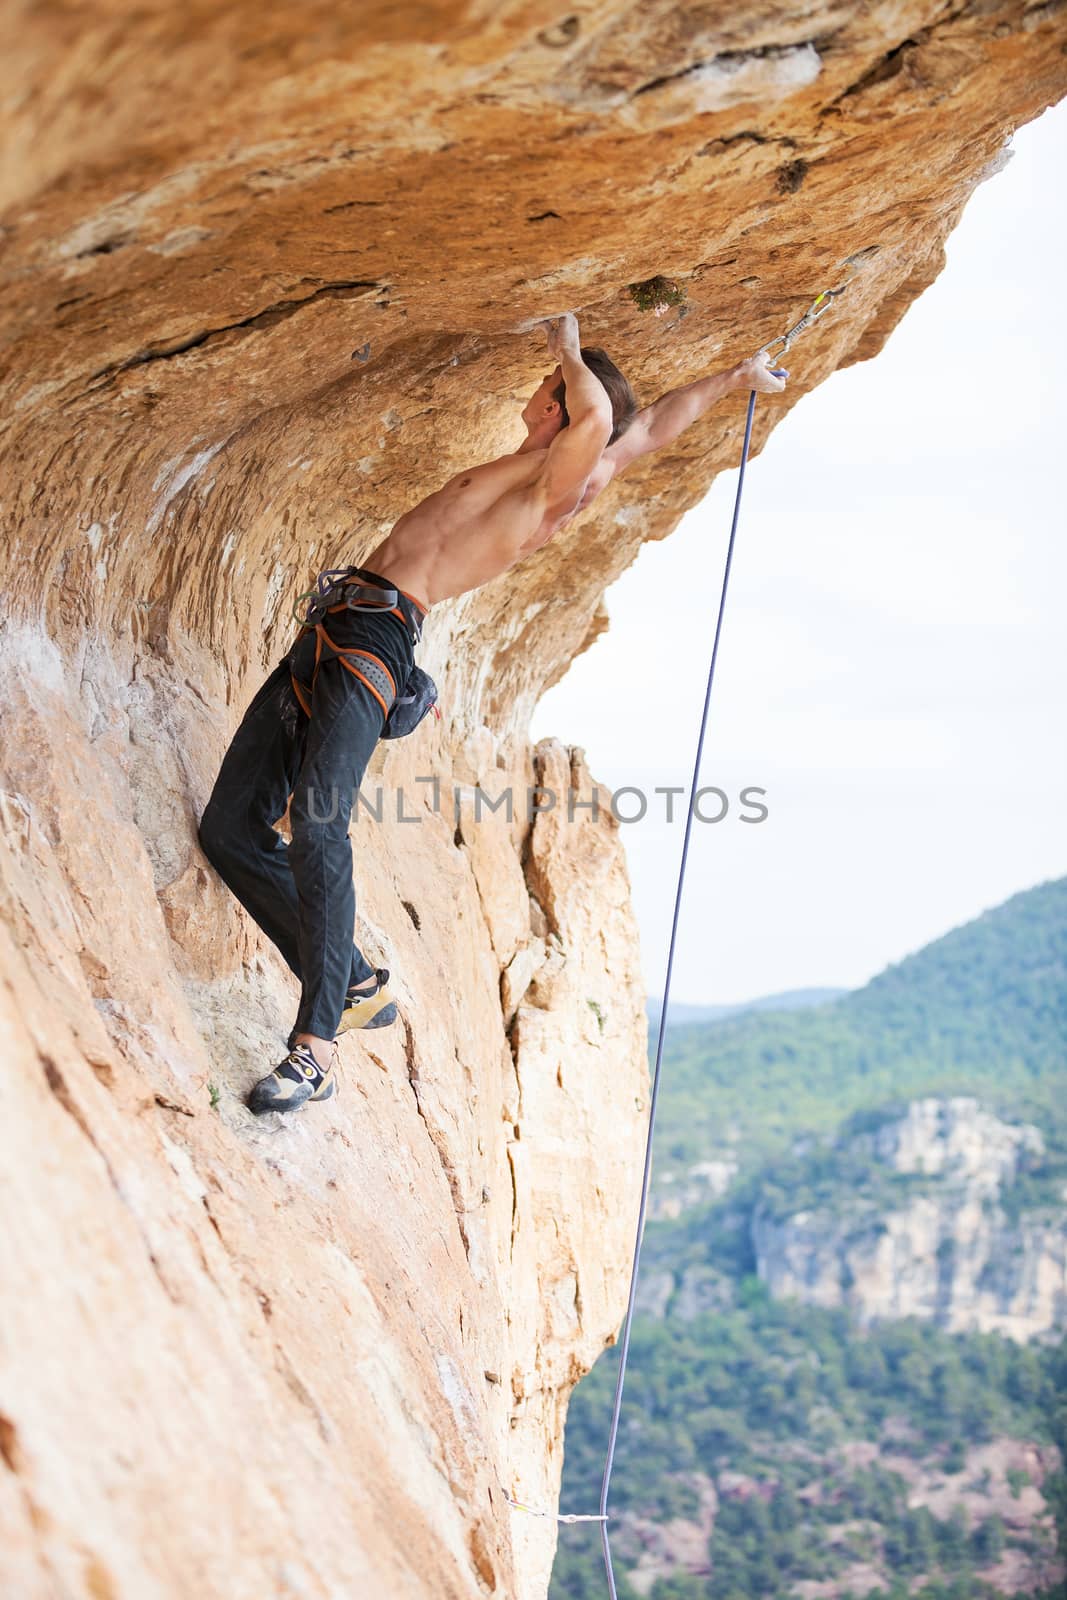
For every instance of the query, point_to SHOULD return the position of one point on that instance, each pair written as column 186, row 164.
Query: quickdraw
column 551, row 1516
column 818, row 308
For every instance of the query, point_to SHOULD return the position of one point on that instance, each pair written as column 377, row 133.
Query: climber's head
column 549, row 404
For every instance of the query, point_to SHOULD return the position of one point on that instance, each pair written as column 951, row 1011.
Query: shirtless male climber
column 309, row 733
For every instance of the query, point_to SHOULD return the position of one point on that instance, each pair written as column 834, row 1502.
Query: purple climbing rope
column 643, row 1210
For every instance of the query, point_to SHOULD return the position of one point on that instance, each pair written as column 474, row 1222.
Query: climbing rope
column 819, row 306
column 662, row 1026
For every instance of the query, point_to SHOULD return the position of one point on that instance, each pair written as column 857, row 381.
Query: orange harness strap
column 376, row 669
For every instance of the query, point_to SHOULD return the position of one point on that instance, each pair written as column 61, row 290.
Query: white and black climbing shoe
column 365, row 1008
column 294, row 1082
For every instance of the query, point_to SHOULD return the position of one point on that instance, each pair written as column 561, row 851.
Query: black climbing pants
column 301, row 894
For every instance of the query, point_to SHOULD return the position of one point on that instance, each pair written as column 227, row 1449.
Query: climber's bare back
column 478, row 525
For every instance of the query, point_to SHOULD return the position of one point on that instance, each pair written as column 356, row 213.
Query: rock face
column 269, row 276
column 947, row 1251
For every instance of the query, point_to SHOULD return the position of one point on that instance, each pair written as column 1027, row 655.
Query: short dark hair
column 623, row 400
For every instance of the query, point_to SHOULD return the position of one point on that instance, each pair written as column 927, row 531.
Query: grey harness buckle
column 368, row 596
column 338, row 586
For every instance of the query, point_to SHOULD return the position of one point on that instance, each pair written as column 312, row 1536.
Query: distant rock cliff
column 947, row 1250
column 270, row 274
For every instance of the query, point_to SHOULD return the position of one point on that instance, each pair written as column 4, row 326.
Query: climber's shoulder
column 628, row 447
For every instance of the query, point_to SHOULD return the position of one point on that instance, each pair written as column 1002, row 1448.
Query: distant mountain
column 995, row 988
column 855, row 1199
column 788, row 1000
column 983, row 1009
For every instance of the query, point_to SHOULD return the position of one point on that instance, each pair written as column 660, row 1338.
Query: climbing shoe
column 294, row 1082
column 365, row 1008
column 369, row 1008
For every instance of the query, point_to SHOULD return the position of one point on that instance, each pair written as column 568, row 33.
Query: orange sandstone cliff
column 270, row 273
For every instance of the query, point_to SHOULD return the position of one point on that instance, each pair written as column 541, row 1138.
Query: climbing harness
column 349, row 589
column 355, row 589
column 819, row 306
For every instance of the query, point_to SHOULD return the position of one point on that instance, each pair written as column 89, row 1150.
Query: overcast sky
column 894, row 652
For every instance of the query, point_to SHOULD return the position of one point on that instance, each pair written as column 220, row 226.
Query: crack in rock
column 267, row 318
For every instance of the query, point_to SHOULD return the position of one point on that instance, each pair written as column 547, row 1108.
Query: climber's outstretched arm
column 661, row 423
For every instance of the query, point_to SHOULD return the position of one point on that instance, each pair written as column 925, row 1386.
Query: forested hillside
column 981, row 1011
column 772, row 1448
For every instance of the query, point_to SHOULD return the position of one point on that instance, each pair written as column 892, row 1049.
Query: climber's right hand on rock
column 562, row 335
column 756, row 374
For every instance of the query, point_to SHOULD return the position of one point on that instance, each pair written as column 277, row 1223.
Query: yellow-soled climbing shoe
column 373, row 1008
column 293, row 1082
column 365, row 1008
